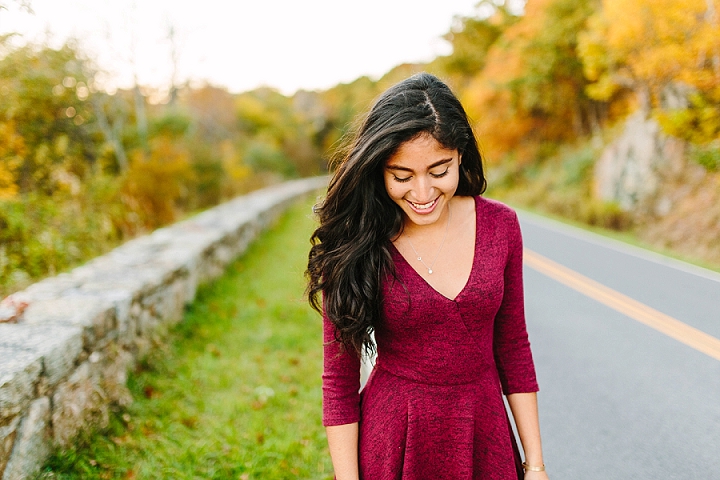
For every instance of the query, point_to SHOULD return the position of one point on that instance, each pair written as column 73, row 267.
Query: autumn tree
column 470, row 38
column 667, row 53
column 532, row 89
column 45, row 102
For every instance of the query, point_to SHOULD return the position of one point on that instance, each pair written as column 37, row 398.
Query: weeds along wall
column 66, row 358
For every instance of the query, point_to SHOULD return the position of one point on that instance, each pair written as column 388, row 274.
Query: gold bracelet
column 531, row 468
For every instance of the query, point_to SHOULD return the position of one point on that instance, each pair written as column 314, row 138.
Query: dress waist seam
column 479, row 379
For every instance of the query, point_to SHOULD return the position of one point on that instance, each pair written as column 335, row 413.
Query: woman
column 408, row 250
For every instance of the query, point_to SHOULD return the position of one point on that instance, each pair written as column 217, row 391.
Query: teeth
column 423, row 206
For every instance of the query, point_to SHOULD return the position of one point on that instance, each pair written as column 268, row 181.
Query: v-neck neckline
column 472, row 267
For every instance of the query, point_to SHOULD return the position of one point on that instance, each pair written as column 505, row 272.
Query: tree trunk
column 712, row 18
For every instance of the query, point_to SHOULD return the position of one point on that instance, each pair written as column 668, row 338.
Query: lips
column 423, row 208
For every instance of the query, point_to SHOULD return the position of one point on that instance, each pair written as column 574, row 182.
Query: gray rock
column 58, row 346
column 631, row 169
column 52, row 287
column 93, row 314
column 19, row 372
column 8, row 433
column 118, row 294
column 111, row 367
column 32, row 443
column 78, row 403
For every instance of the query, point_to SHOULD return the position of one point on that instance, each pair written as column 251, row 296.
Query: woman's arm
column 525, row 412
column 343, row 443
column 341, row 403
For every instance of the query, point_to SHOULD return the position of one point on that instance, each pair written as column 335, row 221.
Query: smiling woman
column 450, row 331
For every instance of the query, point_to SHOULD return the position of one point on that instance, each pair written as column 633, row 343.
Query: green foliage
column 560, row 185
column 577, row 166
column 60, row 138
column 264, row 156
column 236, row 394
column 555, row 73
column 172, row 124
column 707, row 155
column 551, row 60
column 45, row 96
column 343, row 103
column 209, row 176
column 698, row 123
column 41, row 235
column 471, row 38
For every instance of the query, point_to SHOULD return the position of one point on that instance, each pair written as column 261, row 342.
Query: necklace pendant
column 420, row 258
column 430, row 271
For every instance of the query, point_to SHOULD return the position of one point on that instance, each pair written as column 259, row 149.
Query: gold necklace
column 419, row 257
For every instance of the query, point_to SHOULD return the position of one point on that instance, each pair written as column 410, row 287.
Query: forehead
column 420, row 152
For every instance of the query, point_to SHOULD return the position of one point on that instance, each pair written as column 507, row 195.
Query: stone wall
column 65, row 357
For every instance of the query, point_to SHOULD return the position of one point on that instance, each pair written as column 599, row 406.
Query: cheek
column 394, row 193
column 392, row 189
column 452, row 182
column 388, row 187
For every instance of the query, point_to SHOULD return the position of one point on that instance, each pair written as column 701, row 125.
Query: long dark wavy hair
column 350, row 254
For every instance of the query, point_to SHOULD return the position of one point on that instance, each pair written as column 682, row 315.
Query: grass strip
column 625, row 236
column 235, row 393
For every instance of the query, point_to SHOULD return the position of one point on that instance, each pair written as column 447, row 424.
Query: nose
column 423, row 189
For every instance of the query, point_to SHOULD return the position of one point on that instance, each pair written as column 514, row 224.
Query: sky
column 241, row 44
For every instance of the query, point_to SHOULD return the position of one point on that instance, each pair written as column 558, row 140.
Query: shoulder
column 500, row 221
column 494, row 210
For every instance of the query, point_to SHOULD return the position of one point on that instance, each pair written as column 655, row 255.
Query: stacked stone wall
column 65, row 358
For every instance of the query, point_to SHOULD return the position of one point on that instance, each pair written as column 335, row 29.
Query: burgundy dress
column 433, row 407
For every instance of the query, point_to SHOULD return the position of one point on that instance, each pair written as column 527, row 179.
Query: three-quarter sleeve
column 340, row 380
column 511, row 346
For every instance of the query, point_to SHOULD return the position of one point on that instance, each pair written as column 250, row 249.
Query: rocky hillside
column 673, row 201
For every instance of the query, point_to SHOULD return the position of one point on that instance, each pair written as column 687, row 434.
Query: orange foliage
column 531, row 89
column 490, row 107
column 156, row 183
column 12, row 151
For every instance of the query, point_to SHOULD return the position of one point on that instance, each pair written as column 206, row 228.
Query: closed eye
column 440, row 175
column 401, row 180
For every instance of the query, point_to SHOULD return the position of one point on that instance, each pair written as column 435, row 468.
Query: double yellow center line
column 671, row 327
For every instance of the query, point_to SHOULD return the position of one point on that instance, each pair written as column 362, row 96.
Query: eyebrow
column 406, row 169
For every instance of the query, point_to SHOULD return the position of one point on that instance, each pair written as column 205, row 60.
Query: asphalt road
column 618, row 398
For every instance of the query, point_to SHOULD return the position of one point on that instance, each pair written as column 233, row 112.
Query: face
column 421, row 177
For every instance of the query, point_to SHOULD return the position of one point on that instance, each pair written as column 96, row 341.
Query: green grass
column 236, row 393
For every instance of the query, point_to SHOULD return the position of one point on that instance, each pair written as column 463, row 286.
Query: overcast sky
column 241, row 44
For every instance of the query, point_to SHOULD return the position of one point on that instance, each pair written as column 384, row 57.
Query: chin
column 425, row 218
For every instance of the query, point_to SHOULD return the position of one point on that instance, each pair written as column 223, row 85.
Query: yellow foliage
column 236, row 174
column 698, row 124
column 232, row 163
column 651, row 43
